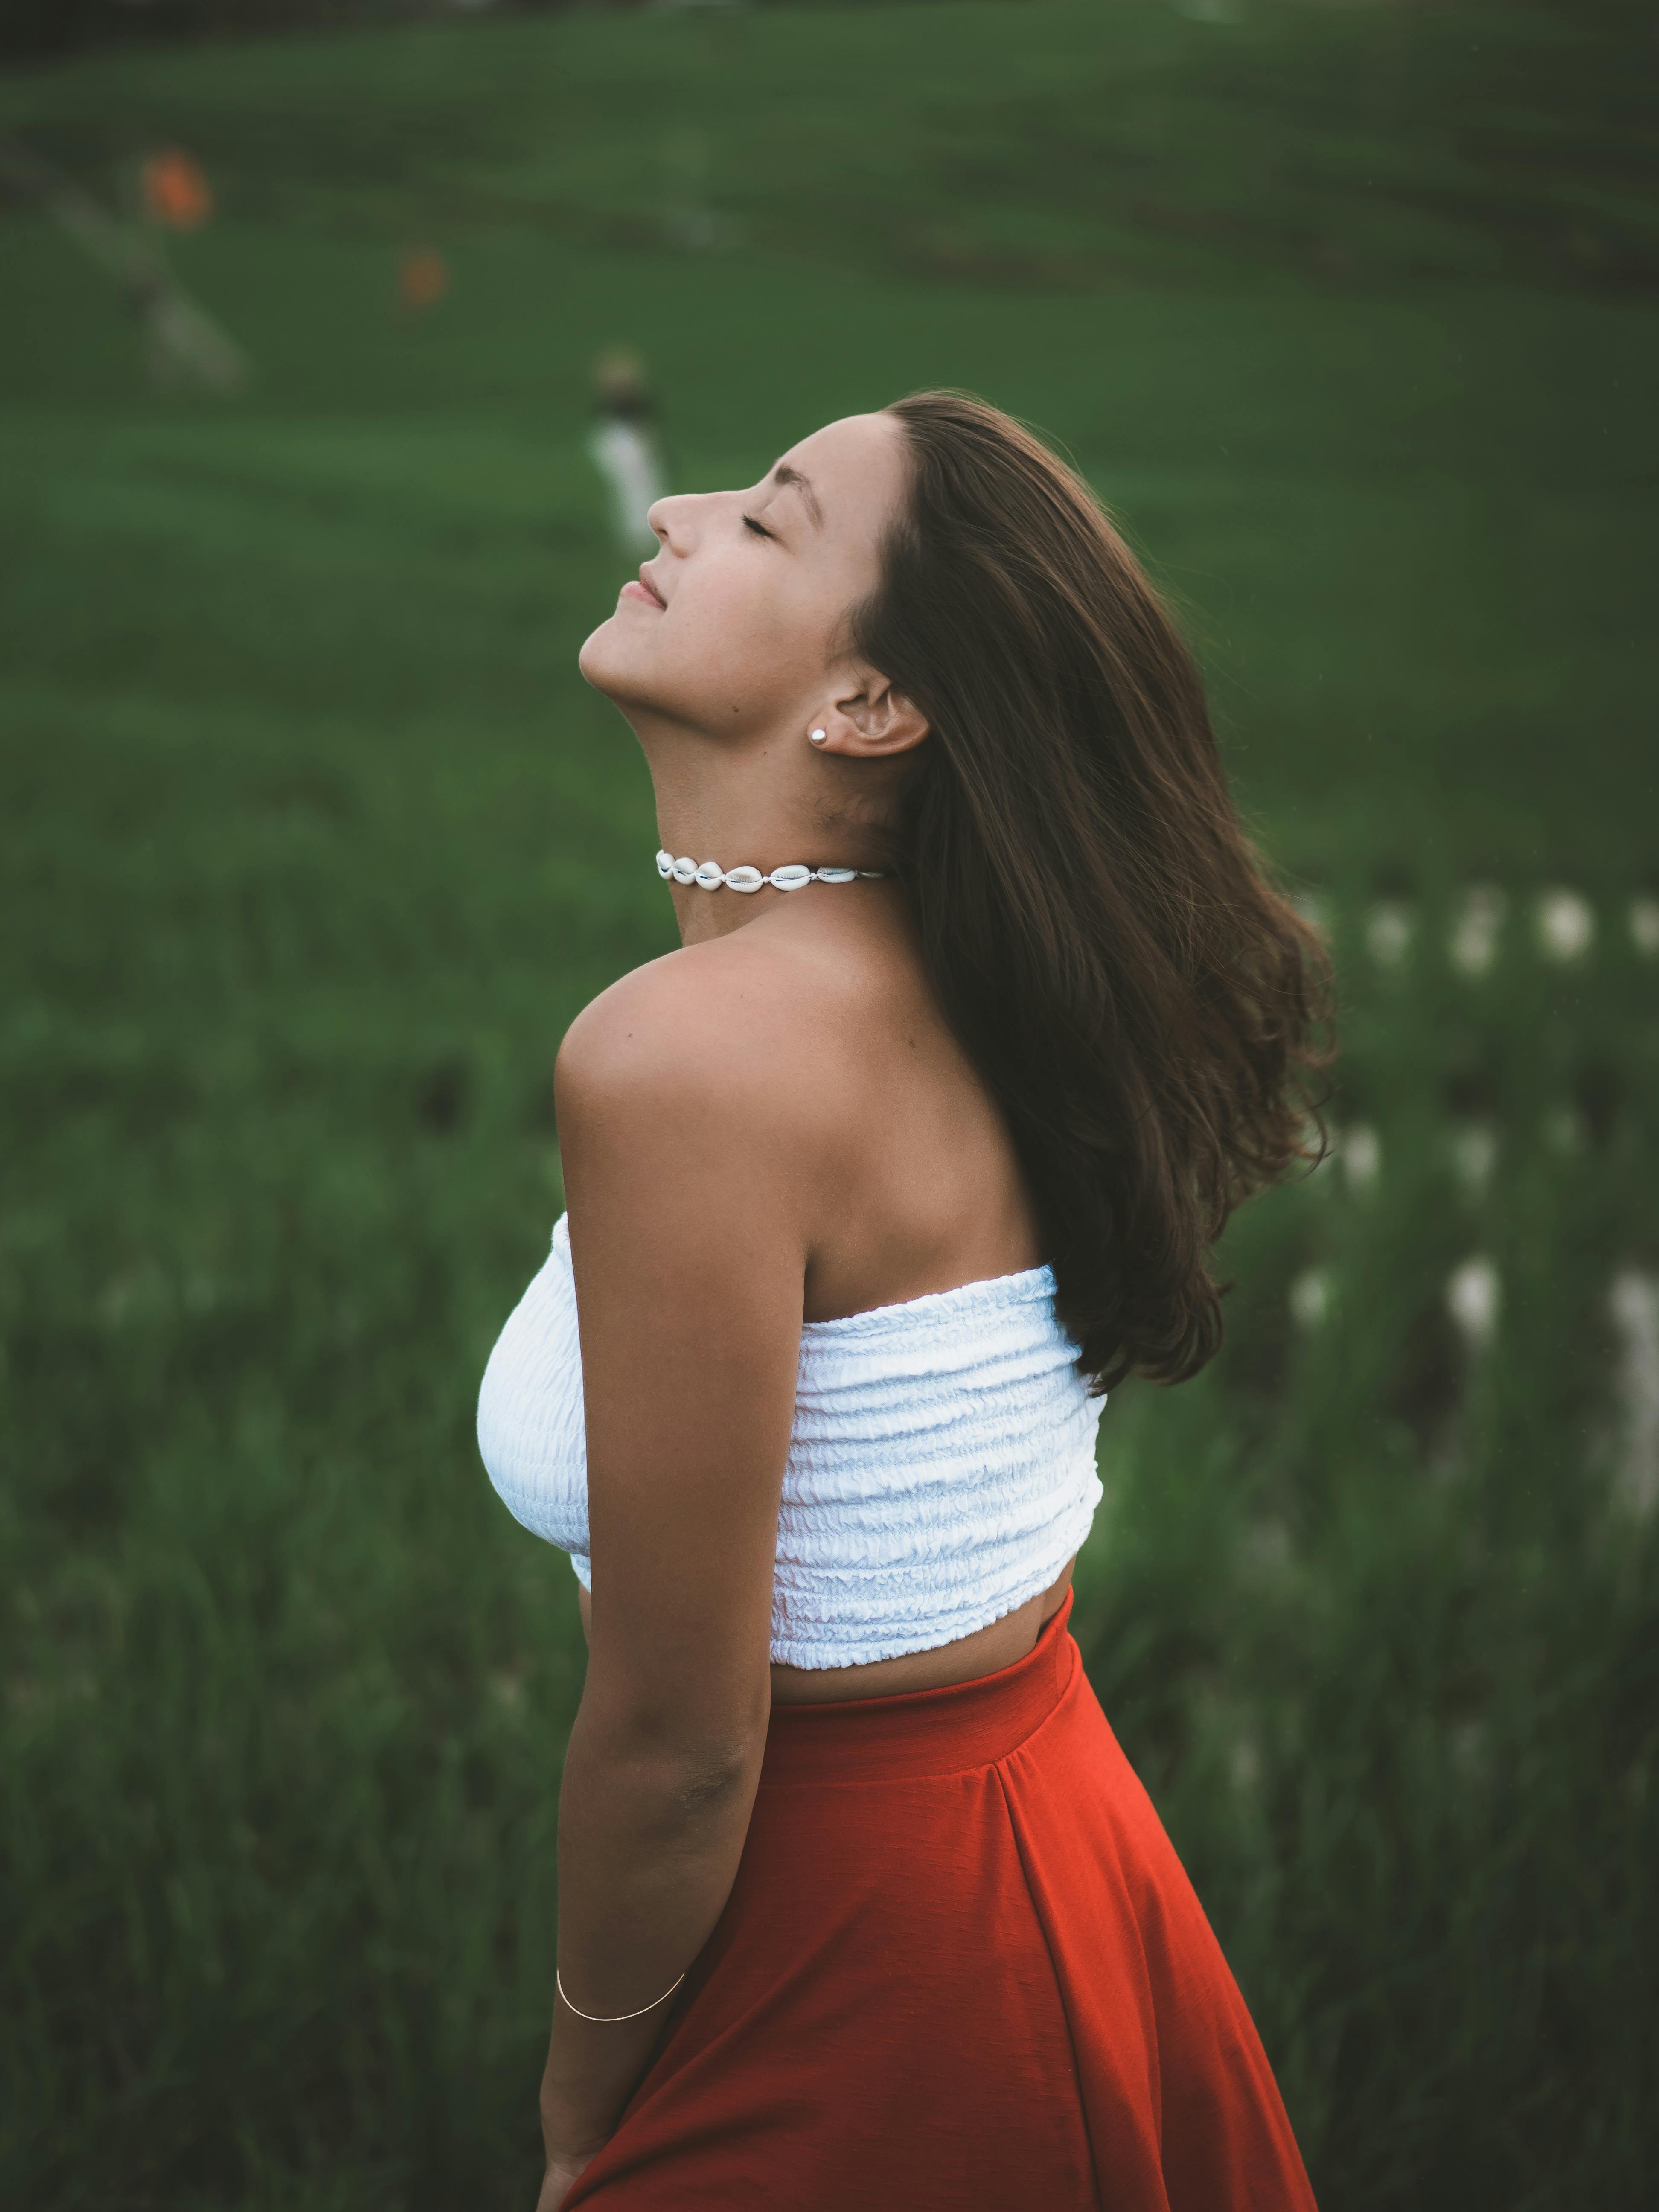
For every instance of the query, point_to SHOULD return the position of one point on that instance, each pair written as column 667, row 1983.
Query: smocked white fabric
column 940, row 1472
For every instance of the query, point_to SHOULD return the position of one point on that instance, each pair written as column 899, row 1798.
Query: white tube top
column 941, row 1469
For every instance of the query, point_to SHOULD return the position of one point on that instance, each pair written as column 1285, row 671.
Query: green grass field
column 314, row 843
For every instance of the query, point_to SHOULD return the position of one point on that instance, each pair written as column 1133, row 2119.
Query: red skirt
column 961, row 1967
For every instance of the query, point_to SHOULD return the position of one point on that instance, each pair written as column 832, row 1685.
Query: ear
column 870, row 722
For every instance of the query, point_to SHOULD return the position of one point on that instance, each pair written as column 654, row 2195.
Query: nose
column 673, row 519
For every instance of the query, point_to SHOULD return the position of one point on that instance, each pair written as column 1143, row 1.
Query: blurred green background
column 314, row 843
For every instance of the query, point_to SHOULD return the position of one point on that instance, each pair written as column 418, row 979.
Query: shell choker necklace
column 709, row 875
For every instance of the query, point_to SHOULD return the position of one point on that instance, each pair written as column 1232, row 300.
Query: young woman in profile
column 983, row 1022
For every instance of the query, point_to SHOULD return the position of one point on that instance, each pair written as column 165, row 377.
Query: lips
column 643, row 588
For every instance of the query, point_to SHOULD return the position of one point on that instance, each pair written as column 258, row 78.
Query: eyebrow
column 783, row 475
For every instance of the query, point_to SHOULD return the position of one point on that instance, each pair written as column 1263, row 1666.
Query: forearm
column 649, row 1841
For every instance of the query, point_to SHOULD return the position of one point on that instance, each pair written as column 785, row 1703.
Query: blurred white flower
column 1644, row 925
column 1311, row 1297
column 1244, row 1764
column 1478, row 927
column 1474, row 1155
column 1567, row 924
column 1362, row 1156
column 1633, row 1303
column 1267, row 1546
column 1390, row 928
column 1466, row 1742
column 1564, row 1131
column 1474, row 1298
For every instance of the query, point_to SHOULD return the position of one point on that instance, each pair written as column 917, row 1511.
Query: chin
column 602, row 659
column 611, row 661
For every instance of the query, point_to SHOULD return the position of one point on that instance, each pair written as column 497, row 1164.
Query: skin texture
column 771, row 1124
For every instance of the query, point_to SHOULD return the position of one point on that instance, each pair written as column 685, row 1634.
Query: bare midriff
column 987, row 1652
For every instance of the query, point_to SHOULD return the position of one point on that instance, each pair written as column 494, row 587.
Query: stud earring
column 817, row 736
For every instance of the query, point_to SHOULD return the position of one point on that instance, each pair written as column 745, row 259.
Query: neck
column 762, row 804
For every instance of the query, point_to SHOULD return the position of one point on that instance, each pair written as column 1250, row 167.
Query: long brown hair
column 1146, row 1008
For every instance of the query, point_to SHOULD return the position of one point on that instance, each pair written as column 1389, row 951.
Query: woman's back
column 821, row 1016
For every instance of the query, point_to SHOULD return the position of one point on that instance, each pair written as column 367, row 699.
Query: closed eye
column 760, row 531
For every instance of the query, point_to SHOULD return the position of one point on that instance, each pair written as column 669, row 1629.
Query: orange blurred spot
column 422, row 277
column 176, row 193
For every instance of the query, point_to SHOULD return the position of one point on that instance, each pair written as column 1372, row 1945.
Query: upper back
column 817, row 1025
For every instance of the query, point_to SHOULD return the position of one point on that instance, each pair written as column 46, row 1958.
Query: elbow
column 685, row 1795
column 692, row 1769
column 717, row 1777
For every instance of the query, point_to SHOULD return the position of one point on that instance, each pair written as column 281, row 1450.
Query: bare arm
column 688, row 1262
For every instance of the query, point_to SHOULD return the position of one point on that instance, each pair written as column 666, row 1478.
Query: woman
column 871, row 1186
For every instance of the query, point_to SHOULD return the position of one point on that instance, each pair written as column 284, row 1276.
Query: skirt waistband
column 949, row 1730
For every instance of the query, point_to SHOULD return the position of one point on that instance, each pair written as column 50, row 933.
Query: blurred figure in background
column 624, row 446
column 184, row 346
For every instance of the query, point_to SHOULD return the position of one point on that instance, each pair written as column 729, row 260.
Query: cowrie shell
column 709, row 875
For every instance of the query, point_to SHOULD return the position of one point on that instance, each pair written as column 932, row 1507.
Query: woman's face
column 734, row 623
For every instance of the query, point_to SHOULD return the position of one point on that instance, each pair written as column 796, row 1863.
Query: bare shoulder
column 794, row 1088
column 735, row 1028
